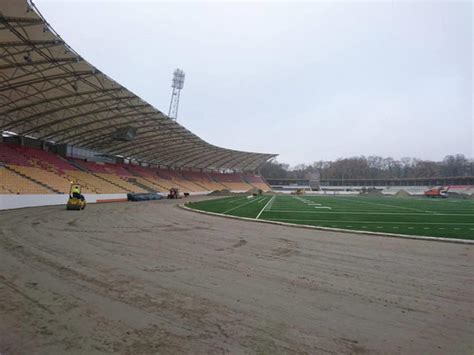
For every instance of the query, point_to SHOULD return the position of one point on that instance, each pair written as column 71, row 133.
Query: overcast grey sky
column 308, row 80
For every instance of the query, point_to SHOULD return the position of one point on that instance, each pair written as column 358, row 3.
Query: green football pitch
column 450, row 218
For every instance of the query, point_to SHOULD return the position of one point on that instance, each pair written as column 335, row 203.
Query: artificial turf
column 449, row 218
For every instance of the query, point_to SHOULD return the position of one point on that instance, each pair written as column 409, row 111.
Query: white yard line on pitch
column 234, row 208
column 261, row 201
column 370, row 213
column 311, row 203
column 238, row 199
column 263, row 209
column 368, row 222
column 393, row 206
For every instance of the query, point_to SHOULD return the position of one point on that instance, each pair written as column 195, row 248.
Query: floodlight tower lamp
column 177, row 85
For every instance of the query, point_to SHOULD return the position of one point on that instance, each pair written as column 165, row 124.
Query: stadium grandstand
column 63, row 120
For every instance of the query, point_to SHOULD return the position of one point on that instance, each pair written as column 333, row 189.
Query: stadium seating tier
column 31, row 170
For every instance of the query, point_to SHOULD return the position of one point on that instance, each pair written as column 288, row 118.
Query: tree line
column 373, row 167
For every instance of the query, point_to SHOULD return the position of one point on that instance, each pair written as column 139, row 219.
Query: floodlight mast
column 177, row 84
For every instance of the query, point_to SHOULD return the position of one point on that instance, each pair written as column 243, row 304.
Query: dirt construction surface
column 148, row 277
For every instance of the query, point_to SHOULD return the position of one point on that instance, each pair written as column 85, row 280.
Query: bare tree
column 374, row 167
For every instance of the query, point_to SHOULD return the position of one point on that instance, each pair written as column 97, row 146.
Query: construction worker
column 76, row 192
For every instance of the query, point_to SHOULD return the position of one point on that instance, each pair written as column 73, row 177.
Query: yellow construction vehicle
column 76, row 200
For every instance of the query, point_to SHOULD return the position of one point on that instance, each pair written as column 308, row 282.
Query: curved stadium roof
column 50, row 92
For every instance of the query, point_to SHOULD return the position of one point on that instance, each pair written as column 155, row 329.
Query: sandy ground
column 151, row 278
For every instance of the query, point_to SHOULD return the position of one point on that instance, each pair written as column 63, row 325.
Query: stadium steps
column 138, row 184
column 263, row 185
column 131, row 171
column 225, row 186
column 121, row 181
column 11, row 182
column 92, row 183
column 84, row 169
column 266, row 182
column 252, row 184
column 236, row 185
column 173, row 182
column 153, row 184
column 192, row 182
column 195, row 182
column 181, row 187
column 64, row 159
column 216, row 181
column 110, row 182
column 34, row 180
column 149, row 185
column 78, row 166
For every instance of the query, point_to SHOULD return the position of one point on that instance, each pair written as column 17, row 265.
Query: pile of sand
column 223, row 192
column 460, row 196
column 402, row 193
